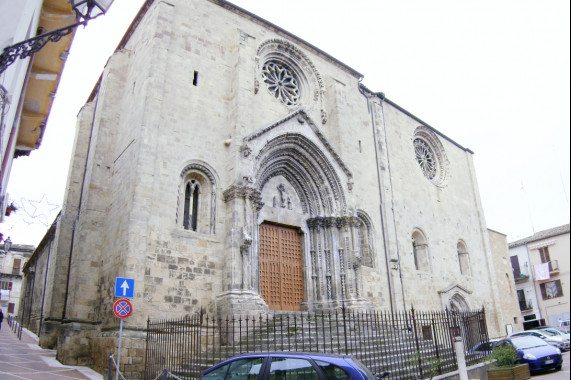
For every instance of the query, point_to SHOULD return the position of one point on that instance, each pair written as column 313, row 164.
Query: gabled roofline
column 301, row 112
column 236, row 9
column 383, row 98
column 541, row 235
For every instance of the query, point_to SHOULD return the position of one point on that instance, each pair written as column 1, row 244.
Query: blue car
column 537, row 353
column 290, row 366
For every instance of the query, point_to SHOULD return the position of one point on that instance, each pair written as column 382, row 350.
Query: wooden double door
column 281, row 267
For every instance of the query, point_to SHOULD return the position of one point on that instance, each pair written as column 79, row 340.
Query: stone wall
column 186, row 101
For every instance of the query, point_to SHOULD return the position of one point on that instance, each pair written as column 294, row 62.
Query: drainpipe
column 382, row 97
column 385, row 240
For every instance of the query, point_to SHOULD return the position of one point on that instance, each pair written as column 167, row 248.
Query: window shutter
column 16, row 266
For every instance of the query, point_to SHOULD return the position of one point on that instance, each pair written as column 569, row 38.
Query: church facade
column 228, row 166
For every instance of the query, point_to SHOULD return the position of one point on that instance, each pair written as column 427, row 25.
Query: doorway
column 281, row 268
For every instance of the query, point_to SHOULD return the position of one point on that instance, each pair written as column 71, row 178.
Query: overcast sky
column 491, row 75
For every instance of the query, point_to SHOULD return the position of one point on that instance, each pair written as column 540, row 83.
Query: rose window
column 426, row 159
column 281, row 82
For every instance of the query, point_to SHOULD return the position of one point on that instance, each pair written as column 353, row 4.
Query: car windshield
column 553, row 331
column 549, row 332
column 363, row 367
column 524, row 342
column 486, row 346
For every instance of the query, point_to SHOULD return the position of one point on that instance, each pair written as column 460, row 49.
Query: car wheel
column 558, row 368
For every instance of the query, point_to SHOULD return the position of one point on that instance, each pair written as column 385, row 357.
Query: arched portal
column 458, row 303
column 302, row 182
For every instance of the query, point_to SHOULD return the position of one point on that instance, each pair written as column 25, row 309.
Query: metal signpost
column 122, row 308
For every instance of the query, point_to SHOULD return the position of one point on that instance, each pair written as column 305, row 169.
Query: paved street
column 25, row 360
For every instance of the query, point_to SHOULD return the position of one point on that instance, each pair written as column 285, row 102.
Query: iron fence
column 410, row 344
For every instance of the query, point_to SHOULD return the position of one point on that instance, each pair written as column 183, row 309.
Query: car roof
column 293, row 353
column 522, row 337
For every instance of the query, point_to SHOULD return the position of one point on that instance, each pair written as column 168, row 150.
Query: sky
column 494, row 76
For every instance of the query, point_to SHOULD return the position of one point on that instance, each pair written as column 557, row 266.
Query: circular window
column 430, row 155
column 281, row 82
column 425, row 158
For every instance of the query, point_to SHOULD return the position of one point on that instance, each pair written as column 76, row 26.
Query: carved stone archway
column 299, row 180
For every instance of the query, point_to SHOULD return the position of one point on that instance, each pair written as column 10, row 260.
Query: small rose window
column 426, row 159
column 430, row 156
column 281, row 82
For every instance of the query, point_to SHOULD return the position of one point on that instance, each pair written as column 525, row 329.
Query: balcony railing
column 553, row 266
column 521, row 278
column 525, row 305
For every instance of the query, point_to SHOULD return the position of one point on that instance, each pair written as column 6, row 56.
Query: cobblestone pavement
column 25, row 360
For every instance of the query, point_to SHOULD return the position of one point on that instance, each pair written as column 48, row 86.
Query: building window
column 16, row 266
column 5, row 285
column 551, row 289
column 11, row 307
column 281, row 82
column 544, row 254
column 366, row 239
column 420, row 251
column 426, row 158
column 197, row 199
column 430, row 155
column 463, row 259
column 524, row 304
column 545, row 258
column 191, row 194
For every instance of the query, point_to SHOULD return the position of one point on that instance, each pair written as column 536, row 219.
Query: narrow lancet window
column 191, row 205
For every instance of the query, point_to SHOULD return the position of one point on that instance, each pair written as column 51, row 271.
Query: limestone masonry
column 226, row 165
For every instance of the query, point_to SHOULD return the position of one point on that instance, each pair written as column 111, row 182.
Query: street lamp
column 7, row 245
column 85, row 10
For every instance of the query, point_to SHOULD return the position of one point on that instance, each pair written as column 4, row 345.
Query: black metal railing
column 525, row 305
column 409, row 344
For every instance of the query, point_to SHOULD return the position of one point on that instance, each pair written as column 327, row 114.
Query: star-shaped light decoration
column 41, row 211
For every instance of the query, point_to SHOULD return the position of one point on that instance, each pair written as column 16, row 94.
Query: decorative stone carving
column 281, row 82
column 323, row 117
column 253, row 195
column 246, row 150
column 245, row 244
column 289, row 74
column 430, row 155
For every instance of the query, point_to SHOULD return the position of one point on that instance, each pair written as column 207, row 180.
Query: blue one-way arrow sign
column 124, row 287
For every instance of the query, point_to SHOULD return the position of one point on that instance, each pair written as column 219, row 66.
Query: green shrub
column 504, row 356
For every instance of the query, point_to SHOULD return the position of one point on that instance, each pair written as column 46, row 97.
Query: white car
column 557, row 332
column 549, row 337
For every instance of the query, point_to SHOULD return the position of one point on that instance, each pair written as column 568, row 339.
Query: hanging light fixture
column 85, row 10
column 7, row 245
column 89, row 9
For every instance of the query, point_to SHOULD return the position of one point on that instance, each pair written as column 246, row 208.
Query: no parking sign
column 122, row 308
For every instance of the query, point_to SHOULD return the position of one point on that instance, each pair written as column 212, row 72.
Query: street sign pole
column 119, row 348
column 122, row 309
column 124, row 287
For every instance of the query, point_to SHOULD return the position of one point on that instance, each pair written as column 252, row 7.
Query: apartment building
column 540, row 265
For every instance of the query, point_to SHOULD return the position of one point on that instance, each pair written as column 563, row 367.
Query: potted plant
column 505, row 364
column 11, row 207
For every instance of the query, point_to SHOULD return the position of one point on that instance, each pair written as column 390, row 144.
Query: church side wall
column 446, row 214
